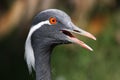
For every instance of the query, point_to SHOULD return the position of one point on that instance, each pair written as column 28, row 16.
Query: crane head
column 57, row 26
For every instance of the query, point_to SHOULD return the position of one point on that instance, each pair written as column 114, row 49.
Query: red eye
column 53, row 20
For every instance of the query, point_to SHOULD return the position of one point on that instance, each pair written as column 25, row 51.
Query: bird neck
column 42, row 53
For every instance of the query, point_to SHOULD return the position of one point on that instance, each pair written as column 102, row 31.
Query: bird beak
column 73, row 39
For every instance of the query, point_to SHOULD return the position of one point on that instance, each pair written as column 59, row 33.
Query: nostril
column 77, row 31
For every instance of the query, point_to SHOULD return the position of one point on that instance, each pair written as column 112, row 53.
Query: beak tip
column 90, row 49
column 87, row 47
column 94, row 38
column 90, row 35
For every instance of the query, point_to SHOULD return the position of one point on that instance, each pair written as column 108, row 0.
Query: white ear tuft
column 29, row 53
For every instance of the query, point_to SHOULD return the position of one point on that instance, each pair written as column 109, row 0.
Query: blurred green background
column 69, row 62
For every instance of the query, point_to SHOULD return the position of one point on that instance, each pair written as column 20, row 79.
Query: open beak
column 77, row 30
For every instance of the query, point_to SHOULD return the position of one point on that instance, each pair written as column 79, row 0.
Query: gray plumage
column 44, row 36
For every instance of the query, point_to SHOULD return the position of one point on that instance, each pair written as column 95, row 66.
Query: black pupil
column 53, row 20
